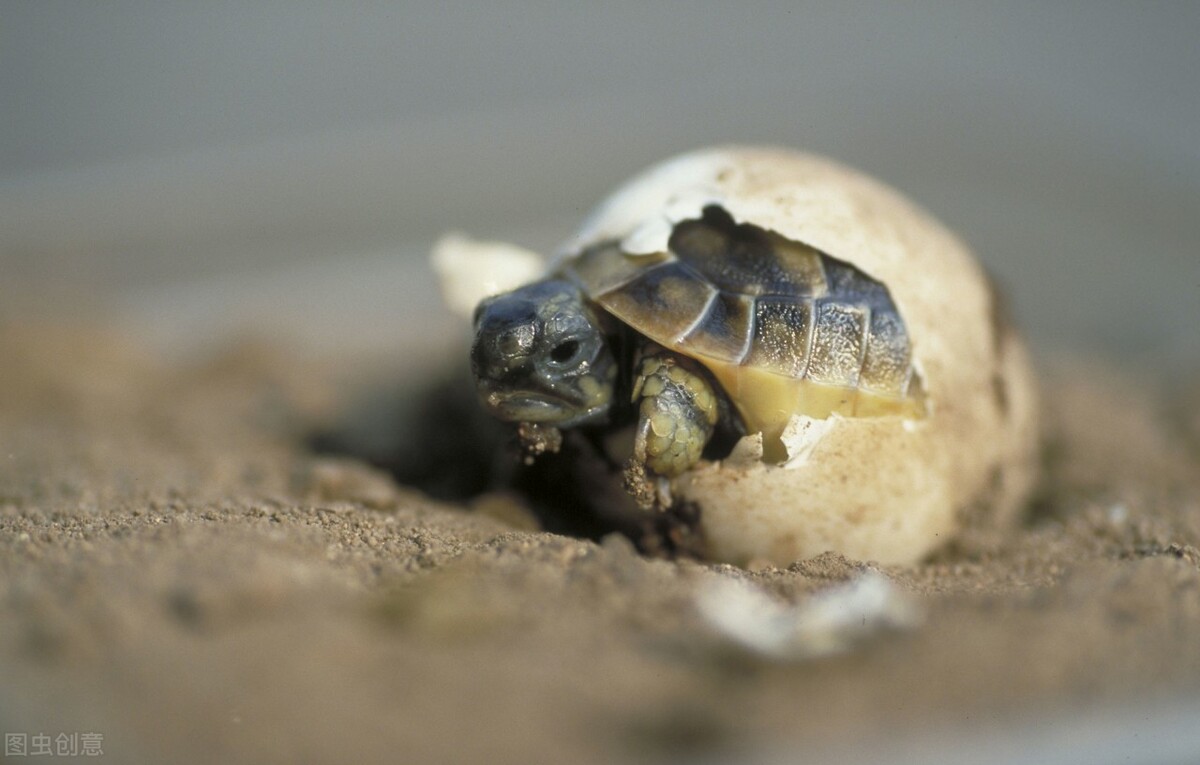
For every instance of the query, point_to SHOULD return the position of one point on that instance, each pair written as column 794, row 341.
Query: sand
column 182, row 573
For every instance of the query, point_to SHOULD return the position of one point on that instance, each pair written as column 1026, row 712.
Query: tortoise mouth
column 524, row 406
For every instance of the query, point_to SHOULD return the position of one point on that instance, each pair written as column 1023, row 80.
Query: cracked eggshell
column 887, row 489
column 470, row 270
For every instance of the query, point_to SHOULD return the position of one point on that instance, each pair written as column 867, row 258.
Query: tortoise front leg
column 677, row 412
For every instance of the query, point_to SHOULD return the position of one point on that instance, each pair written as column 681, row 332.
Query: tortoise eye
column 564, row 351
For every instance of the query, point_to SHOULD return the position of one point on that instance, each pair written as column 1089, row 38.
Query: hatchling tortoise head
column 539, row 356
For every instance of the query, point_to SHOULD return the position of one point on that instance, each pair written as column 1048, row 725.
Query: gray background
column 206, row 167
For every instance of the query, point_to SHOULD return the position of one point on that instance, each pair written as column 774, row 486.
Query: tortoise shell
column 783, row 327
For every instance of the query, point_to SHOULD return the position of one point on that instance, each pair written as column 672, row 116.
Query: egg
column 886, row 483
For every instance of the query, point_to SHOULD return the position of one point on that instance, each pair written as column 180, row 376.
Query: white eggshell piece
column 469, row 270
column 828, row 623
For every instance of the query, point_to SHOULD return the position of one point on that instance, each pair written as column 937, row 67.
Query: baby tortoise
column 732, row 321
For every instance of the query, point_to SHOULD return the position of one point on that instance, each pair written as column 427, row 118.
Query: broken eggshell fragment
column 887, row 488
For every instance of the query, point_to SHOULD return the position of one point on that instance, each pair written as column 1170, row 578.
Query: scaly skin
column 677, row 412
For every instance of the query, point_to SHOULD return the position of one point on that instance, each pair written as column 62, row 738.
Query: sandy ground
column 181, row 573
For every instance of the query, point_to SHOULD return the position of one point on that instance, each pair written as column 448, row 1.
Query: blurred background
column 196, row 170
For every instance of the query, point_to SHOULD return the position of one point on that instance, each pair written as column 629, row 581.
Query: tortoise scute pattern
column 746, row 260
column 886, row 368
column 661, row 301
column 737, row 297
column 837, row 346
column 783, row 332
column 603, row 269
column 725, row 330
